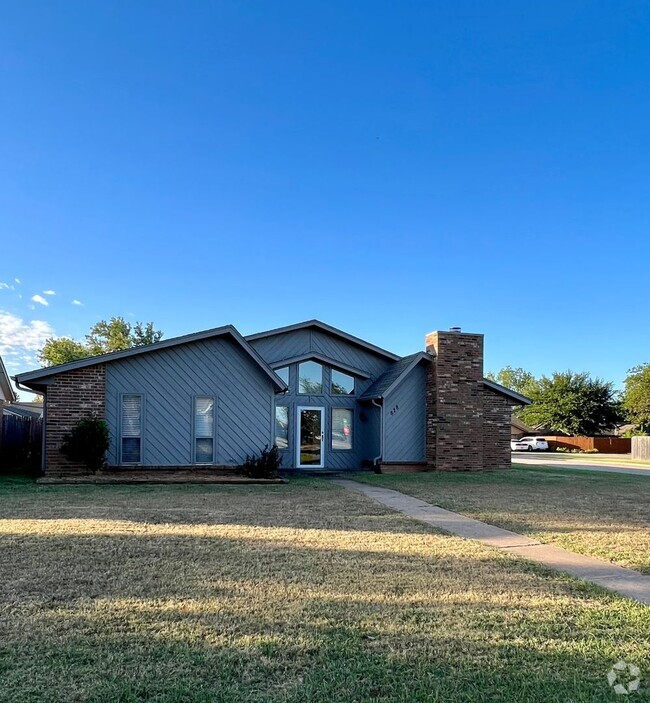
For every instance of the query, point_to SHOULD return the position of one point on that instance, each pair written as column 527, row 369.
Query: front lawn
column 297, row 593
column 605, row 515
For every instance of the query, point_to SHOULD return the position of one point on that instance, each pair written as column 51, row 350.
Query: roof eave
column 421, row 356
column 6, row 385
column 507, row 392
column 40, row 376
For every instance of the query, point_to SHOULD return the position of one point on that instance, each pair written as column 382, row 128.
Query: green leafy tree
column 636, row 397
column 104, row 337
column 112, row 336
column 145, row 334
column 62, row 350
column 573, row 403
column 517, row 380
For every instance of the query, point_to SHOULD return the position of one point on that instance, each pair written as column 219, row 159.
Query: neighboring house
column 33, row 411
column 7, row 393
column 518, row 428
column 328, row 400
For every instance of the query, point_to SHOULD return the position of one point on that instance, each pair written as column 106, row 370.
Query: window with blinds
column 131, row 441
column 203, row 430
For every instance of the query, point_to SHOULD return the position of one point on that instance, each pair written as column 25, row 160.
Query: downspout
column 375, row 461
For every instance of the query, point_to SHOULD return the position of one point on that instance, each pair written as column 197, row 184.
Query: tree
column 573, row 403
column 517, row 380
column 145, row 334
column 636, row 396
column 104, row 337
column 62, row 350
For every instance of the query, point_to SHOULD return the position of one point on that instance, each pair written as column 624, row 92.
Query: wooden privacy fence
column 20, row 442
column 641, row 448
column 608, row 445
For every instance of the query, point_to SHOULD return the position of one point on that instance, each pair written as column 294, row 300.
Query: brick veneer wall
column 497, row 412
column 458, row 408
column 72, row 396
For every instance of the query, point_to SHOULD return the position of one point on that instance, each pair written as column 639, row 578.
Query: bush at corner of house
column 265, row 465
column 87, row 443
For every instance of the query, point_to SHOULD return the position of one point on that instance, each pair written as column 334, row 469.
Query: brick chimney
column 454, row 403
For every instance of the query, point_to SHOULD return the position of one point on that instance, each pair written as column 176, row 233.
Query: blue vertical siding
column 170, row 378
column 404, row 419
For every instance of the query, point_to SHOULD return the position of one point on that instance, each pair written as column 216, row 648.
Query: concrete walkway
column 615, row 578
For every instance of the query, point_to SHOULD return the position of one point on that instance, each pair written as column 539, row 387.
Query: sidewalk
column 626, row 582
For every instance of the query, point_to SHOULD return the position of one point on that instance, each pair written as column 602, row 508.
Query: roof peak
column 326, row 328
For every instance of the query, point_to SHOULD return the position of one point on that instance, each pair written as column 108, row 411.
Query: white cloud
column 5, row 286
column 21, row 339
column 39, row 299
column 49, row 292
column 77, row 302
column 17, row 280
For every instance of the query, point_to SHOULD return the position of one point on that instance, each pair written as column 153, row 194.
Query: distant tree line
column 577, row 404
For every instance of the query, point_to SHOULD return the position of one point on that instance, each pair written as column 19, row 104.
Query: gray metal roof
column 325, row 328
column 34, row 377
column 7, row 388
column 393, row 376
column 21, row 411
column 498, row 388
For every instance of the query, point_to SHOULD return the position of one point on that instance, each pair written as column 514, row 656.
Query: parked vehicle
column 529, row 444
column 517, row 446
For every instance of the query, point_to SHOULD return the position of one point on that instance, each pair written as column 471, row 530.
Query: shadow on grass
column 198, row 619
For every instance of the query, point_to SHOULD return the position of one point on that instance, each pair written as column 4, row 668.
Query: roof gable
column 335, row 332
column 40, row 375
column 393, row 376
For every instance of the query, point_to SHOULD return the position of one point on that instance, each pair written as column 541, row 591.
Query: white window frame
column 351, row 411
column 212, row 436
column 121, row 410
column 299, row 409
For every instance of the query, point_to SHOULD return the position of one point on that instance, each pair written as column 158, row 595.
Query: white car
column 529, row 444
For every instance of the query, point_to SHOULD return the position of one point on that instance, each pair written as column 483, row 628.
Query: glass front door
column 310, row 437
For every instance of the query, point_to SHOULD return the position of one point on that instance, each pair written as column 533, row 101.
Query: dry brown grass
column 604, row 515
column 290, row 593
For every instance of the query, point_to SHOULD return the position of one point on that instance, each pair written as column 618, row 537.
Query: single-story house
column 7, row 393
column 327, row 399
column 32, row 411
column 518, row 429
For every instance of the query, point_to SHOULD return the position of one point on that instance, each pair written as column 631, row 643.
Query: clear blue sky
column 390, row 168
